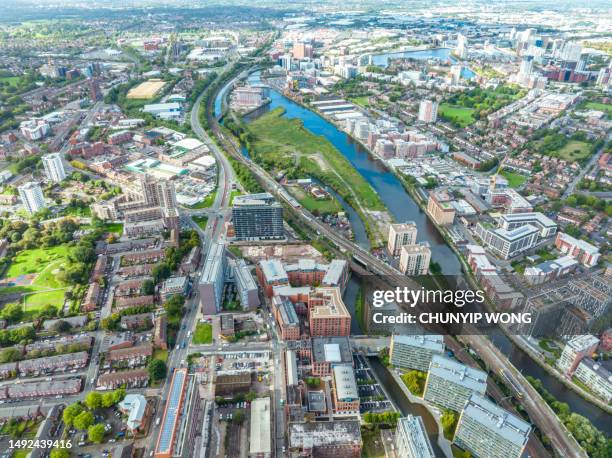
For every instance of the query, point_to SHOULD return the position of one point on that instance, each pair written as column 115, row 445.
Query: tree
column 449, row 423
column 93, row 400
column 71, row 412
column 13, row 313
column 83, row 420
column 61, row 326
column 415, row 381
column 60, row 453
column 174, row 305
column 157, row 369
column 148, row 287
column 238, row 417
column 95, row 433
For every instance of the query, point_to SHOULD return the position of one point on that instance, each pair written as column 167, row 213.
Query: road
column 539, row 411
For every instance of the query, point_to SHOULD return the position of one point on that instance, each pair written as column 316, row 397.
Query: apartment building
column 411, row 440
column 440, row 208
column 137, row 378
column 582, row 251
column 400, row 235
column 257, row 217
column 574, row 351
column 53, row 166
column 415, row 259
column 596, row 377
column 329, row 352
column 247, row 290
column 286, row 318
column 32, row 197
column 213, row 279
column 486, row 430
column 449, row 383
column 415, row 351
column 328, row 316
column 428, row 111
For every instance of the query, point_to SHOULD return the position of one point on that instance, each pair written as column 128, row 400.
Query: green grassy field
column 285, row 144
column 202, row 334
column 232, row 195
column 600, row 107
column 115, row 228
column 316, row 206
column 207, row 202
column 361, row 101
column 463, row 116
column 515, row 180
column 574, row 150
column 160, row 354
column 11, row 80
column 372, row 443
column 200, row 220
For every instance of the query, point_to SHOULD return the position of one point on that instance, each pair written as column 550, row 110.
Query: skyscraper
column 462, row 46
column 526, row 66
column 54, row 169
column 32, row 197
column 257, row 217
column 428, row 111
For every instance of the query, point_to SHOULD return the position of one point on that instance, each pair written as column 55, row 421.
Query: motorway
column 539, row 411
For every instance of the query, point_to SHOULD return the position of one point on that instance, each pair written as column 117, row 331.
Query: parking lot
column 253, row 361
column 371, row 395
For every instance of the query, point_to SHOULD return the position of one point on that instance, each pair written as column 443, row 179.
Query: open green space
column 362, row 101
column 233, row 195
column 42, row 261
column 460, row 116
column 574, row 150
column 200, row 220
column 114, row 228
column 515, row 180
column 207, row 202
column 202, row 334
column 607, row 107
column 36, row 301
column 9, row 80
column 314, row 205
column 279, row 143
column 160, row 354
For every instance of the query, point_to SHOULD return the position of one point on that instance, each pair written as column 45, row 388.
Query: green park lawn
column 285, row 144
column 600, row 107
column 515, row 180
column 200, row 220
column 202, row 334
column 574, row 150
column 232, row 195
column 11, row 80
column 206, row 203
column 115, row 228
column 361, row 101
column 463, row 116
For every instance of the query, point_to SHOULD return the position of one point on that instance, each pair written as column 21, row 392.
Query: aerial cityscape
column 264, row 229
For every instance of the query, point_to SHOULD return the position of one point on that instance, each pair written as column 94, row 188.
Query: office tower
column 54, row 168
column 526, row 66
column 257, row 217
column 415, row 351
column 486, row 430
column 411, row 439
column 285, row 61
column 575, row 350
column 414, row 259
column 571, row 52
column 428, row 111
column 449, row 383
column 400, row 235
column 462, row 46
column 159, row 193
column 32, row 197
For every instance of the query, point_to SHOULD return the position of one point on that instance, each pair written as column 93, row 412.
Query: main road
column 539, row 412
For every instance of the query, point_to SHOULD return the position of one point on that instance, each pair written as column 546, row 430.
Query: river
column 443, row 54
column 403, row 208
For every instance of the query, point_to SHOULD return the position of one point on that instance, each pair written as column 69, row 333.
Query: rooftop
column 332, row 350
column 458, row 374
column 434, row 342
column 260, row 438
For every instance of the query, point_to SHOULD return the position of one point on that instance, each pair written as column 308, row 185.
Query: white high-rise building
column 399, row 235
column 414, row 259
column 455, row 74
column 32, row 197
column 411, row 439
column 571, row 52
column 526, row 66
column 54, row 168
column 428, row 111
column 462, row 46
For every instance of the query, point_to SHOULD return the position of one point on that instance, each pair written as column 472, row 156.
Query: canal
column 403, row 208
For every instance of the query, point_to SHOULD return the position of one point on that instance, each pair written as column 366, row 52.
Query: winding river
column 403, row 208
